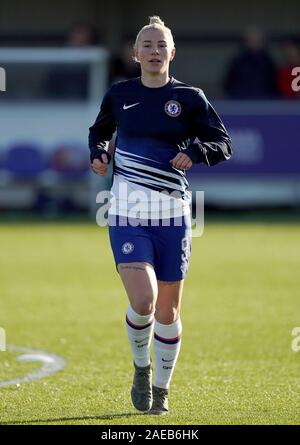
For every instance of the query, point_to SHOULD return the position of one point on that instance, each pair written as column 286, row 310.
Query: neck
column 155, row 80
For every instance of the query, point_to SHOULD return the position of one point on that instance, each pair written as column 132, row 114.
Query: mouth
column 155, row 61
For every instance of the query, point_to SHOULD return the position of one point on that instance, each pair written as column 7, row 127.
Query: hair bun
column 156, row 20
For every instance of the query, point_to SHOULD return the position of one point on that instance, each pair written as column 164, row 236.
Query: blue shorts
column 166, row 248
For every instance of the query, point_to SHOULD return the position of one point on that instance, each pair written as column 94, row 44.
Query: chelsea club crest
column 127, row 247
column 173, row 108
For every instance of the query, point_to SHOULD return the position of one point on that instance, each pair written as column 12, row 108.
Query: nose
column 155, row 51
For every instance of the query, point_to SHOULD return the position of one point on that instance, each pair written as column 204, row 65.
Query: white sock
column 167, row 342
column 139, row 331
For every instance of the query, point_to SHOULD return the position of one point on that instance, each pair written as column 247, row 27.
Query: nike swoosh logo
column 140, row 341
column 125, row 107
column 166, row 360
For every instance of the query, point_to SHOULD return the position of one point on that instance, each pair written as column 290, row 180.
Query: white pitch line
column 51, row 363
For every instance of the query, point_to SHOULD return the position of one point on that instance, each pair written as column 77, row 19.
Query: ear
column 173, row 52
column 135, row 53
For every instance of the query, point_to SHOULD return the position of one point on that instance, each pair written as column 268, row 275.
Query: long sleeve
column 212, row 143
column 104, row 127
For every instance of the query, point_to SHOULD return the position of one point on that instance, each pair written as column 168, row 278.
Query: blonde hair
column 155, row 22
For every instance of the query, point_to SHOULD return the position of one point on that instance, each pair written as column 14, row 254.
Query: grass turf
column 60, row 293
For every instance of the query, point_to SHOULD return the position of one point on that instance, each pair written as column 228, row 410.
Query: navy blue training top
column 153, row 125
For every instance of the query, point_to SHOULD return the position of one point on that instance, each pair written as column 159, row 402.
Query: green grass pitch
column 59, row 292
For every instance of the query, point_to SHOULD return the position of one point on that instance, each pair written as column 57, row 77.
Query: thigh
column 173, row 246
column 133, row 251
column 131, row 244
column 140, row 283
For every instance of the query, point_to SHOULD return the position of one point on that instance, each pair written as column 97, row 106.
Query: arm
column 212, row 144
column 103, row 129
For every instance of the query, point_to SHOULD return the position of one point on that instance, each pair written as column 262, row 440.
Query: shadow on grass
column 68, row 419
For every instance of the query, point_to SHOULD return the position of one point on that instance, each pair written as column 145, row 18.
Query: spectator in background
column 71, row 81
column 291, row 54
column 123, row 66
column 82, row 34
column 252, row 73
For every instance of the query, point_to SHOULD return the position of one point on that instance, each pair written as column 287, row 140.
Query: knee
column 167, row 315
column 144, row 305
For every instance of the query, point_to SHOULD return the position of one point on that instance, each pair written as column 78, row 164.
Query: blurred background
column 60, row 57
column 59, row 290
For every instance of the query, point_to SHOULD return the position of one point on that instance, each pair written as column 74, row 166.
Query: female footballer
column 163, row 126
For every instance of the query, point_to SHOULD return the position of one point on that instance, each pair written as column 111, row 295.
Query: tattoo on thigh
column 132, row 267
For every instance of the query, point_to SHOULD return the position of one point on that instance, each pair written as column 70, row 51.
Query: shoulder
column 118, row 88
column 124, row 85
column 190, row 90
column 194, row 94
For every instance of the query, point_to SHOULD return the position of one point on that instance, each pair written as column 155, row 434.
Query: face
column 154, row 51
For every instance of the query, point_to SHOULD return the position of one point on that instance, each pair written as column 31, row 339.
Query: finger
column 100, row 170
column 104, row 158
column 180, row 166
column 173, row 162
column 97, row 163
column 182, row 162
column 186, row 165
column 177, row 158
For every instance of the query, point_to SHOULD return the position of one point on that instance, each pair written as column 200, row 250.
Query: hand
column 100, row 168
column 181, row 161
